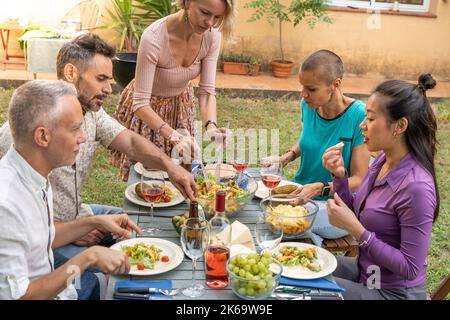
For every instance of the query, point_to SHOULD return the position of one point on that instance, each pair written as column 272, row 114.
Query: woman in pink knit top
column 159, row 102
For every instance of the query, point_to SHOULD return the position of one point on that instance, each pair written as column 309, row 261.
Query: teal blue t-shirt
column 318, row 134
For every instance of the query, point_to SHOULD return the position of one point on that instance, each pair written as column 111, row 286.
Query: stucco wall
column 402, row 46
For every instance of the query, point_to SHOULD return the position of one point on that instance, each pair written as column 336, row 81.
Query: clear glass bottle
column 218, row 249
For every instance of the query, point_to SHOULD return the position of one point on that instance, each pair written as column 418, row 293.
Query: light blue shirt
column 318, row 134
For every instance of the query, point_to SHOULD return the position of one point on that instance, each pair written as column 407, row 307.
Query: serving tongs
column 205, row 177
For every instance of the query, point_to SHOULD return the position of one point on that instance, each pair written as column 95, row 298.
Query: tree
column 311, row 11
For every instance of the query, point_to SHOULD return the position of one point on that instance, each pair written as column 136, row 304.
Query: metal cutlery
column 146, row 213
column 135, row 296
column 319, row 296
column 307, row 296
column 205, row 176
column 292, row 289
column 148, row 290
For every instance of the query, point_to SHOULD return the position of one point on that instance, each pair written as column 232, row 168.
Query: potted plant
column 309, row 10
column 243, row 64
column 128, row 19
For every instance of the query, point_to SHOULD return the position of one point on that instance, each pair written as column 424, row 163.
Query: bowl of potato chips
column 297, row 213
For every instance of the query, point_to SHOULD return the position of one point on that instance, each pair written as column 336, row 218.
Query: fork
column 165, row 292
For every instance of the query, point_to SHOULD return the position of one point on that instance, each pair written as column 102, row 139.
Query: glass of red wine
column 152, row 188
column 271, row 176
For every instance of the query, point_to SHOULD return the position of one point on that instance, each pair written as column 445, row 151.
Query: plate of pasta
column 304, row 261
column 149, row 256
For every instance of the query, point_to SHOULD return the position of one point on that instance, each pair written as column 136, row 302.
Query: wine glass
column 152, row 188
column 240, row 166
column 194, row 240
column 268, row 232
column 271, row 176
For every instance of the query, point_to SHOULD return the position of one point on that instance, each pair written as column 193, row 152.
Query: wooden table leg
column 4, row 34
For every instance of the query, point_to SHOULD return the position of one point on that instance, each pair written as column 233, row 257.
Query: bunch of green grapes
column 253, row 267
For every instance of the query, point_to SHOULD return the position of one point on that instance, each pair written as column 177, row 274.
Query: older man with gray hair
column 46, row 120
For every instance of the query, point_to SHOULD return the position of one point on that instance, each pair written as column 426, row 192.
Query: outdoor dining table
column 41, row 55
column 182, row 275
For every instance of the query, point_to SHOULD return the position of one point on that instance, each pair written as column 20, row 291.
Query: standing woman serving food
column 173, row 51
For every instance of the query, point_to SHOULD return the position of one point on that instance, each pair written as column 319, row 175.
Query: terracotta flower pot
column 240, row 68
column 282, row 69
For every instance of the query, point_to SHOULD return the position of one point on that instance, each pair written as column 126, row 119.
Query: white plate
column 139, row 168
column 170, row 249
column 263, row 191
column 326, row 259
column 131, row 195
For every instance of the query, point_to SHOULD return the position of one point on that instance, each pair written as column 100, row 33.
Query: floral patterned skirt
column 179, row 113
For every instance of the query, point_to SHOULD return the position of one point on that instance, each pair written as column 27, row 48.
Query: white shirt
column 100, row 128
column 26, row 232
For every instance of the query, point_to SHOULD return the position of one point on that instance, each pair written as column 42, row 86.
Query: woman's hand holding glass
column 282, row 160
column 185, row 146
column 219, row 135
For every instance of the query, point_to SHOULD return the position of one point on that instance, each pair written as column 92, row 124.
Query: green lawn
column 103, row 185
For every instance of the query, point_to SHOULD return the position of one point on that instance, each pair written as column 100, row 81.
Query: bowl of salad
column 240, row 189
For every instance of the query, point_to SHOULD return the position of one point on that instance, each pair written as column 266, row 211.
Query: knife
column 309, row 296
column 146, row 213
column 137, row 290
column 319, row 296
column 291, row 289
column 134, row 296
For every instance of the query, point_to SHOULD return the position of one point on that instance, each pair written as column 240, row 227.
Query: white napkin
column 241, row 239
column 240, row 249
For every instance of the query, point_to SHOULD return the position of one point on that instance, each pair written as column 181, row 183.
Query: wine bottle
column 193, row 213
column 218, row 249
column 193, row 209
column 187, row 166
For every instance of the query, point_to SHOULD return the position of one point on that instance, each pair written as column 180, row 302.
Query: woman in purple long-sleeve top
column 392, row 212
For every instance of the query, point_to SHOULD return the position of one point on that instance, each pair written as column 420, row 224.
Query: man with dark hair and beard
column 86, row 63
